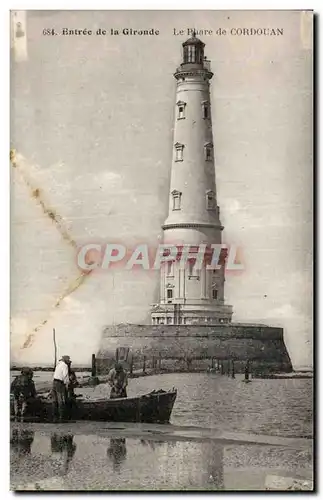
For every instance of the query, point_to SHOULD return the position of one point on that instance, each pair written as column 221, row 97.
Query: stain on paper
column 70, row 289
column 19, row 35
column 18, row 162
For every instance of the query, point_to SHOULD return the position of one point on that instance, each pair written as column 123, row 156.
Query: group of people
column 64, row 382
column 24, row 391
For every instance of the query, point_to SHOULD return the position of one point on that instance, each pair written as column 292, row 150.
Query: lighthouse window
column 210, row 200
column 191, row 54
column 214, row 294
column 206, row 110
column 169, row 294
column 181, row 110
column 193, row 271
column 208, row 152
column 176, row 200
column 170, row 268
column 179, row 151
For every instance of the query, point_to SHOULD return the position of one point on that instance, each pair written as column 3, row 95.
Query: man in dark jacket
column 71, row 397
column 23, row 390
column 118, row 380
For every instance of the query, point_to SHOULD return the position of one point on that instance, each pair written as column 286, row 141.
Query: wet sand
column 224, row 435
column 95, row 456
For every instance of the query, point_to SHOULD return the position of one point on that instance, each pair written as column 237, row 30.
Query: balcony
column 206, row 65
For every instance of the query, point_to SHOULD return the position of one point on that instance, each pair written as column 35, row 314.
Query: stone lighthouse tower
column 192, row 294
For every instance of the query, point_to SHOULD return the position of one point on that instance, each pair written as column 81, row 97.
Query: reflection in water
column 132, row 463
column 155, row 443
column 21, row 441
column 117, row 452
column 64, row 445
column 213, row 460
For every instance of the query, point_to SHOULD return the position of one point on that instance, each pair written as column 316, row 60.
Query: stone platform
column 263, row 345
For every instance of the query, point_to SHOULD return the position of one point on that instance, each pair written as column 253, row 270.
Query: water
column 272, row 407
column 94, row 457
column 57, row 460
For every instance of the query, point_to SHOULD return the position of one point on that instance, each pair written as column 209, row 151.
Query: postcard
column 161, row 170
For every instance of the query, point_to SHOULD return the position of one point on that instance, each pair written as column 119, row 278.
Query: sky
column 91, row 122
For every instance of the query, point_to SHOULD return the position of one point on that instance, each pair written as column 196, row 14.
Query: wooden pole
column 246, row 371
column 233, row 372
column 93, row 370
column 55, row 348
column 131, row 364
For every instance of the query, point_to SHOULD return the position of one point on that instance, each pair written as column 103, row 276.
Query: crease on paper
column 18, row 162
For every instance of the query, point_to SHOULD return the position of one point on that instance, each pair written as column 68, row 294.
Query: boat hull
column 155, row 407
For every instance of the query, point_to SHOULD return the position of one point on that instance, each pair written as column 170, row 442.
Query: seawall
column 194, row 346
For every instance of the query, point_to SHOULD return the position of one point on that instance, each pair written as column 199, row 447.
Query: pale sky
column 92, row 117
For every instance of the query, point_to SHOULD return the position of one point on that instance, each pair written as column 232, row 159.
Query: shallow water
column 273, row 407
column 56, row 460
column 50, row 457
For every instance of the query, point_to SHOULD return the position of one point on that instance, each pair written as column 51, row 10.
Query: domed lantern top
column 193, row 50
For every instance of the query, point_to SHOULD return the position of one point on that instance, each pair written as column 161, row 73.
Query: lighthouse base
column 195, row 347
column 208, row 313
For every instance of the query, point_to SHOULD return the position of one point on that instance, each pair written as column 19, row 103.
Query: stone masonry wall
column 263, row 345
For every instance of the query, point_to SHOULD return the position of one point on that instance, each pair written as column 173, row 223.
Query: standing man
column 71, row 397
column 60, row 386
column 118, row 380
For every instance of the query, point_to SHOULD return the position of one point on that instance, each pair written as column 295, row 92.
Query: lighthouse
column 192, row 294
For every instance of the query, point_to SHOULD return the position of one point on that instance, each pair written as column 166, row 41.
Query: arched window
column 208, row 150
column 193, row 270
column 170, row 268
column 181, row 110
column 210, row 200
column 179, row 151
column 177, row 198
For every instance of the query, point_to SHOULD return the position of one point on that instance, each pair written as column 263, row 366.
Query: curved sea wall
column 194, row 347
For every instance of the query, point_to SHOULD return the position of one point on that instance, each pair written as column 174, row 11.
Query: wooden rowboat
column 155, row 407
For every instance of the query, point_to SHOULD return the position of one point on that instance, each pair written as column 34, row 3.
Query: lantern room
column 193, row 51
